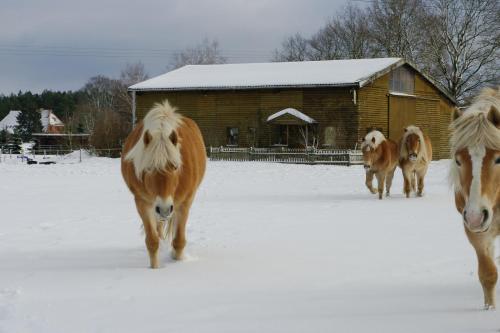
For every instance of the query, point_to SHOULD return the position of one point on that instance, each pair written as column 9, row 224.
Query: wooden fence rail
column 287, row 155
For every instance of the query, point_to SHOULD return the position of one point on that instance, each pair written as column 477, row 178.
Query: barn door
column 402, row 112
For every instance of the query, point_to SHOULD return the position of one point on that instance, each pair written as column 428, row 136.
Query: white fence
column 287, row 155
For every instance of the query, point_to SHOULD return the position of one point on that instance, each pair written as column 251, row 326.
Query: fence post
column 80, row 155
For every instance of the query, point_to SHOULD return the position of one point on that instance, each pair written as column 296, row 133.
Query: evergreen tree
column 28, row 122
column 4, row 136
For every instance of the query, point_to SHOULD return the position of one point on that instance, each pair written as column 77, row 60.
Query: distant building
column 50, row 122
column 9, row 123
column 331, row 104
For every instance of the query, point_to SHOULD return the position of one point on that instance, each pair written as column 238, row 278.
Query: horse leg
column 150, row 228
column 369, row 181
column 414, row 181
column 179, row 241
column 380, row 183
column 407, row 175
column 420, row 178
column 388, row 181
column 488, row 275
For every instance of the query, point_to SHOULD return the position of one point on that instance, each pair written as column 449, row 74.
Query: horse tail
column 158, row 146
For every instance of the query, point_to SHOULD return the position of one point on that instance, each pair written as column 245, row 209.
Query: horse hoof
column 488, row 307
column 177, row 255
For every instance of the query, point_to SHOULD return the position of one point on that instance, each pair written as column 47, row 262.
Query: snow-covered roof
column 10, row 121
column 270, row 75
column 294, row 112
column 47, row 117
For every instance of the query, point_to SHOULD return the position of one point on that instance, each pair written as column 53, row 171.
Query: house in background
column 328, row 104
column 9, row 123
column 50, row 122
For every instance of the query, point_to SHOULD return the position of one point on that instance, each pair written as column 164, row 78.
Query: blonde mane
column 160, row 122
column 367, row 140
column 473, row 128
column 403, row 152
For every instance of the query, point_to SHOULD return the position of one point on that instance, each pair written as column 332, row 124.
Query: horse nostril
column 465, row 215
column 171, row 210
column 485, row 215
column 157, row 210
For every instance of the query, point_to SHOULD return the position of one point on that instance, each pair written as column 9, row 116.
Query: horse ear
column 457, row 113
column 173, row 138
column 494, row 116
column 147, row 138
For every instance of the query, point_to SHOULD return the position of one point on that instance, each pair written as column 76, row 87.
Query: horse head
column 372, row 149
column 476, row 167
column 413, row 143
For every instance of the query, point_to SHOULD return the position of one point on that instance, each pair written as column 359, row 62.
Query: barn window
column 233, row 134
column 402, row 80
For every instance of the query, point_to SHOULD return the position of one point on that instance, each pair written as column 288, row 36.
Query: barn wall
column 341, row 122
column 215, row 111
column 433, row 111
column 373, row 103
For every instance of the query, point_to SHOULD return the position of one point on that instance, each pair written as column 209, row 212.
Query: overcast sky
column 59, row 44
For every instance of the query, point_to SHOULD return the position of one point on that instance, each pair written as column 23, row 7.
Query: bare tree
column 325, row 45
column 352, row 33
column 396, row 28
column 205, row 53
column 293, row 48
column 463, row 44
column 130, row 75
column 98, row 92
column 345, row 36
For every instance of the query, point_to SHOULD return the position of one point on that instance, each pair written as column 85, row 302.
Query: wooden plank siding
column 432, row 111
column 215, row 111
column 373, row 104
column 341, row 122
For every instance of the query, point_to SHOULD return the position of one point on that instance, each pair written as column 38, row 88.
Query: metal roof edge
column 214, row 88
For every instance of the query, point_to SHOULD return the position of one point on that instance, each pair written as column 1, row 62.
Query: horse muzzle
column 477, row 220
column 164, row 212
column 412, row 157
column 367, row 167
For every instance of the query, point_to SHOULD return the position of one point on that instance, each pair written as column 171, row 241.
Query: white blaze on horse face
column 475, row 205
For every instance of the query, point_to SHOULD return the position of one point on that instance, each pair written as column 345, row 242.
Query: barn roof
column 302, row 74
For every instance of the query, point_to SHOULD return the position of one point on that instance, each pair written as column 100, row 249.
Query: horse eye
column 458, row 163
column 497, row 161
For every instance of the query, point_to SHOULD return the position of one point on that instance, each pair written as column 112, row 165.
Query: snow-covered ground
column 272, row 248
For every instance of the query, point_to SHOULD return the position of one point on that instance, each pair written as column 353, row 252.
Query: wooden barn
column 327, row 104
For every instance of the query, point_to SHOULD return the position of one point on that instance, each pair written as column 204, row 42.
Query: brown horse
column 475, row 174
column 415, row 155
column 163, row 163
column 380, row 158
